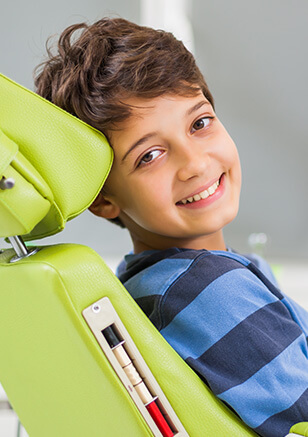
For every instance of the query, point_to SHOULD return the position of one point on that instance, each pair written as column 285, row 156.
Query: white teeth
column 203, row 195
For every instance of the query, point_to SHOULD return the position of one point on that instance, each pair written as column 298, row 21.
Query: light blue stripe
column 298, row 313
column 225, row 303
column 156, row 279
column 274, row 388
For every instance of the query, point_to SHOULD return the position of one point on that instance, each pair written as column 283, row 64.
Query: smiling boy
column 175, row 183
column 176, row 176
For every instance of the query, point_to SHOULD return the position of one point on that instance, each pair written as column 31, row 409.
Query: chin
column 231, row 217
column 225, row 219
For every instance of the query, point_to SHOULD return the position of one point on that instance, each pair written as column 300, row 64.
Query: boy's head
column 97, row 67
column 141, row 88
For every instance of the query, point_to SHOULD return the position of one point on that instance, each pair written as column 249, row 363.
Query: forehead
column 141, row 107
column 154, row 113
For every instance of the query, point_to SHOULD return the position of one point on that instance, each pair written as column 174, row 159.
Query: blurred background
column 254, row 57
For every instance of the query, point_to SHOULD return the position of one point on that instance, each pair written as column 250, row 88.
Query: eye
column 149, row 157
column 201, row 123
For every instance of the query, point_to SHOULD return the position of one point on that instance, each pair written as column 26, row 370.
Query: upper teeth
column 203, row 195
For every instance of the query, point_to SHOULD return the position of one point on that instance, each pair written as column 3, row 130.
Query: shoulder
column 181, row 281
column 263, row 266
column 155, row 271
column 220, row 283
column 160, row 281
column 176, row 277
column 152, row 272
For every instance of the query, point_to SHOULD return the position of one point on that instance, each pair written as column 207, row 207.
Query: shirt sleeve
column 242, row 340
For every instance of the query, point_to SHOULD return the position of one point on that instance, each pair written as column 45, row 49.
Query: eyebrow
column 138, row 143
column 197, row 106
column 152, row 134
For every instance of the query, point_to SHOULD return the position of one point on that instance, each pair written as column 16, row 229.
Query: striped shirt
column 224, row 315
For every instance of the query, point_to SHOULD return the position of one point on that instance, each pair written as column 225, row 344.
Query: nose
column 192, row 160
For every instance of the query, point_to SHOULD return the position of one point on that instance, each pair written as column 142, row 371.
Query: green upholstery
column 55, row 374
column 52, row 187
column 300, row 428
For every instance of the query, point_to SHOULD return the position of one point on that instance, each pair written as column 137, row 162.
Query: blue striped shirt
column 224, row 315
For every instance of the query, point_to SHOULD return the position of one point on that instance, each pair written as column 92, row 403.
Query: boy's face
column 176, row 175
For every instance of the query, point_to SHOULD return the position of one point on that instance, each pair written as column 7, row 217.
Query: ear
column 104, row 208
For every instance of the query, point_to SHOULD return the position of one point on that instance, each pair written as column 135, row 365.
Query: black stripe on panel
column 248, row 347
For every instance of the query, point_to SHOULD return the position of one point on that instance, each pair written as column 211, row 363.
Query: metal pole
column 19, row 246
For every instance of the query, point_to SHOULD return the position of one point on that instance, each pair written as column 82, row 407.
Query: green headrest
column 58, row 163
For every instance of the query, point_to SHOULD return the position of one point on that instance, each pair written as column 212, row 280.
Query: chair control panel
column 132, row 370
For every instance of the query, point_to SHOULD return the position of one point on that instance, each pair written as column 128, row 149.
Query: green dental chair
column 58, row 366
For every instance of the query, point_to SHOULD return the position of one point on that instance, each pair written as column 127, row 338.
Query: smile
column 202, row 195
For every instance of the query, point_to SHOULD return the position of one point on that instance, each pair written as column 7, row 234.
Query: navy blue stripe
column 205, row 269
column 265, row 281
column 280, row 423
column 247, row 348
column 149, row 305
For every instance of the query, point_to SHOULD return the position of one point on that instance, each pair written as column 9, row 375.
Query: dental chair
column 78, row 356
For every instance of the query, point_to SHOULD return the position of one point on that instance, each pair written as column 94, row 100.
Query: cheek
column 140, row 197
column 148, row 203
column 154, row 188
column 231, row 158
column 151, row 201
column 237, row 168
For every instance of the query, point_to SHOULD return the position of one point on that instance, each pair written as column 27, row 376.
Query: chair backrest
column 58, row 163
column 53, row 369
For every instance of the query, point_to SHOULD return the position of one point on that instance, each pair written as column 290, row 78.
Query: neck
column 208, row 242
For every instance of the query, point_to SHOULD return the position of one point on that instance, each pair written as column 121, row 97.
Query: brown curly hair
column 96, row 67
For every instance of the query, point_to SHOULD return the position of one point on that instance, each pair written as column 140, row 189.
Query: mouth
column 204, row 194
